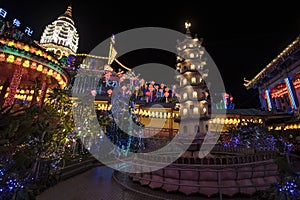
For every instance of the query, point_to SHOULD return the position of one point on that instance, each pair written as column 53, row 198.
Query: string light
column 14, row 84
column 275, row 62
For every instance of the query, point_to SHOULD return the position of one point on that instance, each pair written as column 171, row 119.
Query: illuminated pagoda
column 61, row 36
column 224, row 171
column 193, row 90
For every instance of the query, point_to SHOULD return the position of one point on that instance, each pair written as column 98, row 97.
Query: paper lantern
column 109, row 92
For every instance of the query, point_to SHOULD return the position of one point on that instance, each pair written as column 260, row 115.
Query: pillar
column 13, row 86
column 269, row 100
column 43, row 93
column 291, row 93
column 262, row 100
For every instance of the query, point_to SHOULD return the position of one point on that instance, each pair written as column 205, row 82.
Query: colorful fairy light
column 290, row 92
column 14, row 84
column 267, row 92
column 289, row 187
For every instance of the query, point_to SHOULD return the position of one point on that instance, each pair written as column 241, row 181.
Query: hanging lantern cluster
column 17, row 53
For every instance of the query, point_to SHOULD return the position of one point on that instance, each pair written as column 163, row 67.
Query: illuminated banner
column 16, row 22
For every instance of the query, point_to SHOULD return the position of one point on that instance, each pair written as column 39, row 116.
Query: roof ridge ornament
column 187, row 25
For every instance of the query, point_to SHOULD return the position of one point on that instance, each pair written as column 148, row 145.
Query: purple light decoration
column 290, row 188
column 290, row 92
column 268, row 99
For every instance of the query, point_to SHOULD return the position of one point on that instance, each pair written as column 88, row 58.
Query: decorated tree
column 33, row 141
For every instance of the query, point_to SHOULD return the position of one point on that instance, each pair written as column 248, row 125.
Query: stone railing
column 193, row 158
column 210, row 176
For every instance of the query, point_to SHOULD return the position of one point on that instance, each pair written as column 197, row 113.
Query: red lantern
column 226, row 95
column 273, row 90
column 281, row 86
column 166, row 94
column 107, row 75
column 54, row 74
column 2, row 57
column 33, row 65
column 297, row 76
column 109, row 92
column 94, row 92
column 148, row 93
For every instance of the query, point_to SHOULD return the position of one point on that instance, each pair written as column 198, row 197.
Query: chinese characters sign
column 16, row 22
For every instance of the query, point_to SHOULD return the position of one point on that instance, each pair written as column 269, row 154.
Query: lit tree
column 34, row 141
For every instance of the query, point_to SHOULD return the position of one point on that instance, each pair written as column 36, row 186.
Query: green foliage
column 34, row 140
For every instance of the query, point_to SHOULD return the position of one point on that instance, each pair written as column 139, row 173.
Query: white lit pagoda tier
column 61, row 36
column 194, row 94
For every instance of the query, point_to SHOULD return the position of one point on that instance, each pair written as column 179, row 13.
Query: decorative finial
column 187, row 25
column 68, row 12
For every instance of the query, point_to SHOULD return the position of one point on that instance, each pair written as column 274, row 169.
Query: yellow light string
column 122, row 65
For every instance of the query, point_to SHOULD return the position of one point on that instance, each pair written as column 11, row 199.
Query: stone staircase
column 77, row 166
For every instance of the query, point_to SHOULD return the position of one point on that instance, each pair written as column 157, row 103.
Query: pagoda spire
column 68, row 12
column 187, row 27
column 67, row 15
column 61, row 35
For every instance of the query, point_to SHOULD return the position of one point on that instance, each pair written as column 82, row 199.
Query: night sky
column 241, row 38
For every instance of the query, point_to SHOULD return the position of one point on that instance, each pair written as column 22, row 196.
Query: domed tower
column 194, row 95
column 61, row 36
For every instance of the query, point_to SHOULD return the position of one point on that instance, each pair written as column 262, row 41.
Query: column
column 14, row 84
column 262, row 100
column 269, row 101
column 43, row 93
column 291, row 93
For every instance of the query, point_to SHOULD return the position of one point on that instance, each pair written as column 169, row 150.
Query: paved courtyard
column 95, row 184
column 99, row 184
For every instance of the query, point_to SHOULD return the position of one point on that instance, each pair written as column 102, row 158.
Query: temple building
column 28, row 72
column 279, row 82
column 61, row 36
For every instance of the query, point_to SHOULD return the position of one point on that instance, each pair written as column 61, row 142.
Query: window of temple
column 193, row 80
column 195, row 95
column 185, row 111
column 196, row 110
